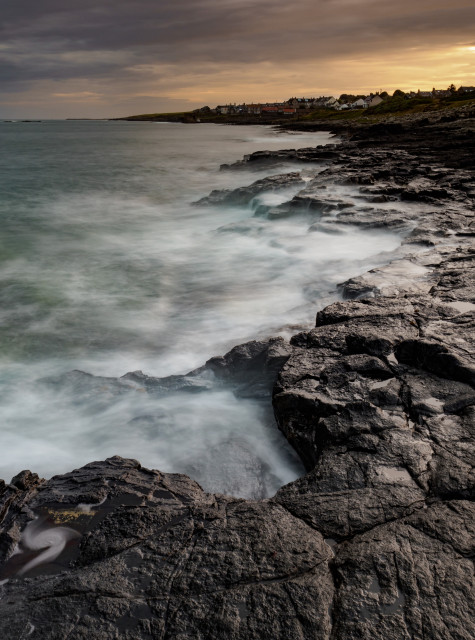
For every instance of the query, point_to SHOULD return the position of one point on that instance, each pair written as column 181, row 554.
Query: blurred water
column 105, row 267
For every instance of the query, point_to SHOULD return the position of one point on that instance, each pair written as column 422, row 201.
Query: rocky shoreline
column 377, row 539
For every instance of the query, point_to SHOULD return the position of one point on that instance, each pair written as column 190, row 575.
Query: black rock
column 243, row 195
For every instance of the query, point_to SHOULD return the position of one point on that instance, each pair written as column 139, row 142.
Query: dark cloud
column 108, row 39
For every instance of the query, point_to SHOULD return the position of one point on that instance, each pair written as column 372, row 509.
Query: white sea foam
column 114, row 270
column 50, row 541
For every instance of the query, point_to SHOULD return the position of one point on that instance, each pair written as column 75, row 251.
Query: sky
column 112, row 58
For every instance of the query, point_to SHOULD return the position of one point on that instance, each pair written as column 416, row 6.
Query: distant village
column 345, row 102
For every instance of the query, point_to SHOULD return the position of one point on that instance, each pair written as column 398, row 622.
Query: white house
column 359, row 104
column 373, row 101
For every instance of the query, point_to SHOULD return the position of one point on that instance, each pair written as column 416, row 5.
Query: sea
column 107, row 267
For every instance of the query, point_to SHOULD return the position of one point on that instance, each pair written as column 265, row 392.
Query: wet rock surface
column 249, row 369
column 160, row 558
column 377, row 539
column 243, row 195
column 261, row 159
column 379, row 400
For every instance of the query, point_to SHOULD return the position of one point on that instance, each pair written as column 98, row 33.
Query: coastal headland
column 377, row 539
column 326, row 112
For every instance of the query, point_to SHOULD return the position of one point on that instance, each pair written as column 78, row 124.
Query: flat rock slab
column 150, row 555
column 155, row 556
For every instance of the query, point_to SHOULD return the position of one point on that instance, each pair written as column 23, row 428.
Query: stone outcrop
column 243, row 195
column 248, row 369
column 260, row 159
column 377, row 539
column 379, row 400
column 158, row 557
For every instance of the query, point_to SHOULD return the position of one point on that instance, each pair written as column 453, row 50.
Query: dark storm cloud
column 54, row 39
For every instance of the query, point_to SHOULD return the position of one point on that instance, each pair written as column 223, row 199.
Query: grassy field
column 393, row 106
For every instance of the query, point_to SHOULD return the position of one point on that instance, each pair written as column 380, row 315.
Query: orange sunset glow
column 111, row 59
